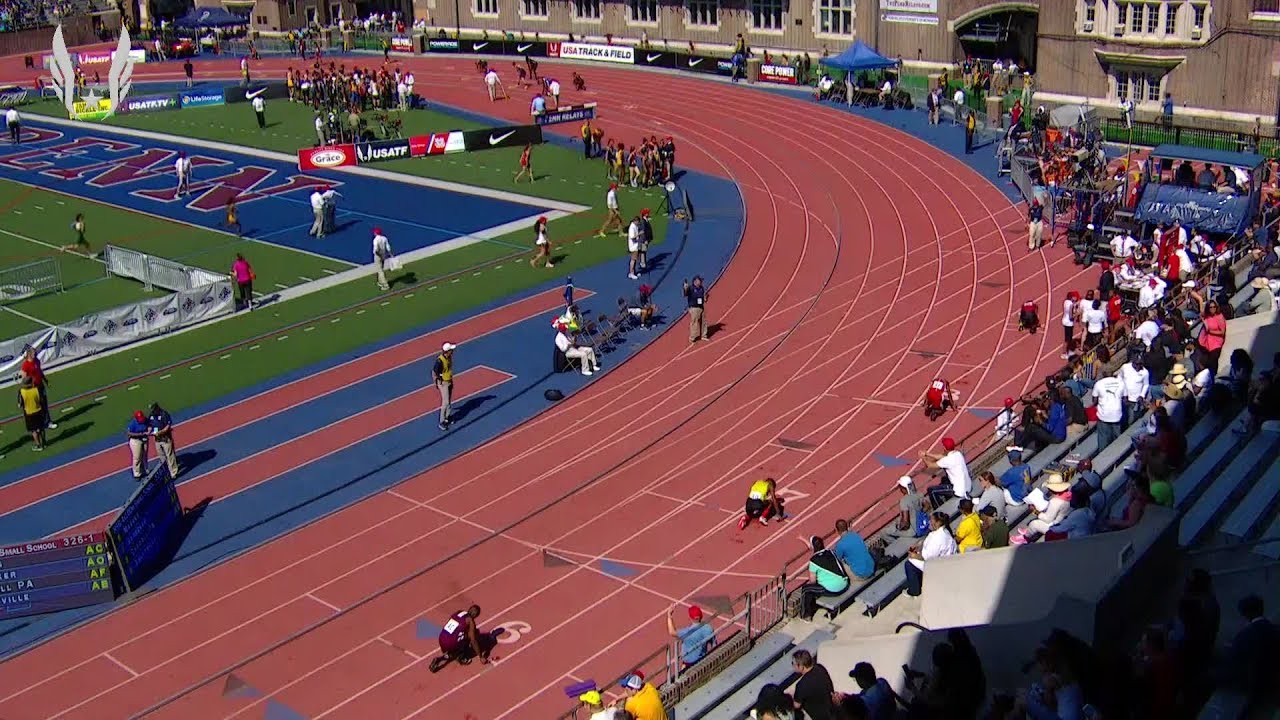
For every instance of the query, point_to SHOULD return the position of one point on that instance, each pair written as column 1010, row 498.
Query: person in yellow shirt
column 762, row 503
column 587, row 137
column 32, row 410
column 642, row 699
column 969, row 532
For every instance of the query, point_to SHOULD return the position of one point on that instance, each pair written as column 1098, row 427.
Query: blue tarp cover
column 1248, row 161
column 1209, row 211
column 859, row 56
column 210, row 17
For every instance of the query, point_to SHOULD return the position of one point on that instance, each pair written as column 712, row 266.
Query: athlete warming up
column 461, row 640
column 939, row 399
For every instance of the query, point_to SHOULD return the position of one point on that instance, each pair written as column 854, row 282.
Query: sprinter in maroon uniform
column 460, row 640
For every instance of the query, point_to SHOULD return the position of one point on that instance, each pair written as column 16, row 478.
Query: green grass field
column 201, row 365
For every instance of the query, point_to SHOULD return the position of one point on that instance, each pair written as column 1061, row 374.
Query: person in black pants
column 827, row 576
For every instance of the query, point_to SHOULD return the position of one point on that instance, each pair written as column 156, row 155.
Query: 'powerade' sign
column 202, row 99
column 148, row 103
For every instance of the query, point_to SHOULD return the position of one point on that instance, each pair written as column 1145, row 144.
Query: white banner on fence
column 624, row 54
column 927, row 7
column 102, row 331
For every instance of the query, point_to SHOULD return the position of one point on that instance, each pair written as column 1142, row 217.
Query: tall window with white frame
column 1153, row 18
column 586, row 9
column 486, row 7
column 835, row 17
column 1090, row 14
column 1135, row 17
column 766, row 15
column 703, row 13
column 1137, row 86
column 1197, row 16
column 533, row 8
column 642, row 11
column 1170, row 19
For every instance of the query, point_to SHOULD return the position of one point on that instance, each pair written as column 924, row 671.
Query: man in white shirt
column 321, row 135
column 1095, row 322
column 408, row 83
column 317, row 210
column 1123, row 245
column 957, row 481
column 586, row 355
column 182, row 170
column 1151, row 293
column 1108, row 401
column 260, row 109
column 402, row 93
column 1137, row 386
column 14, row 121
column 1129, row 274
column 381, row 255
column 614, row 218
column 633, row 247
column 958, row 101
column 491, row 83
column 886, row 91
column 553, row 89
column 1147, row 331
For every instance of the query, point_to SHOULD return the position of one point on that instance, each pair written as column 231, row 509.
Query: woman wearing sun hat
column 1052, row 509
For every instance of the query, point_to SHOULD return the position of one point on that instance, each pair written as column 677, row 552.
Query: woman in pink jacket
column 243, row 274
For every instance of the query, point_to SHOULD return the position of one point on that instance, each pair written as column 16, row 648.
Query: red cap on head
column 377, row 231
column 1008, row 402
column 644, row 212
column 1106, row 264
column 137, row 415
column 695, row 613
column 948, row 444
column 613, row 186
column 1153, row 282
column 542, row 219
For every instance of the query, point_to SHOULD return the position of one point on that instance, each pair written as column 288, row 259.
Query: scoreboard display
column 59, row 574
column 148, row 529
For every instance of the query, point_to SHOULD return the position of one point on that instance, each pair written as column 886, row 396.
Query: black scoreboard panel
column 59, row 574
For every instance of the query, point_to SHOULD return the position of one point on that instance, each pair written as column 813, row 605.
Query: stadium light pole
column 457, row 21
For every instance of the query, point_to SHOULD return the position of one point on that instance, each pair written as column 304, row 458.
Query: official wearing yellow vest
column 33, row 411
column 442, row 375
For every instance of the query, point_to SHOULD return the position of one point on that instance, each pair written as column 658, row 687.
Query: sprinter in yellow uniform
column 762, row 503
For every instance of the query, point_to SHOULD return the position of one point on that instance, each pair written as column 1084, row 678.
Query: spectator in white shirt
column 182, row 169
column 585, row 355
column 1151, row 293
column 1122, row 246
column 1004, row 421
column 1148, row 330
column 633, row 247
column 320, row 130
column 956, row 481
column 1129, row 272
column 1095, row 323
column 1137, row 386
column 938, row 543
column 14, row 121
column 886, row 91
column 1108, row 401
column 317, row 210
column 958, row 101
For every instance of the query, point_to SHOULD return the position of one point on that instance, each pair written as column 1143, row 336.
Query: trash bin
column 753, row 70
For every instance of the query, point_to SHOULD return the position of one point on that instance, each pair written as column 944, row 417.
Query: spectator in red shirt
column 31, row 368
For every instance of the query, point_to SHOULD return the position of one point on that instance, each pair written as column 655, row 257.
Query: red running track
column 862, row 244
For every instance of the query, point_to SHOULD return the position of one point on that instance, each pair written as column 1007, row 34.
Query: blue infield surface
column 273, row 196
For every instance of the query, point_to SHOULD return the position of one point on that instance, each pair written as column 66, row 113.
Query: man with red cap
column 614, row 218
column 1106, row 281
column 955, row 479
column 1005, row 420
column 696, row 639
column 585, row 354
column 138, row 431
column 382, row 257
column 1151, row 293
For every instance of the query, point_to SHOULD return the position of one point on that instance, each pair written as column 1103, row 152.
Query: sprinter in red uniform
column 461, row 640
column 939, row 399
column 1029, row 317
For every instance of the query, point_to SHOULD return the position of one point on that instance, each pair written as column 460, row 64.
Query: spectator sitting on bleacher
column 1044, row 423
column 969, row 531
column 1050, row 510
column 1089, row 483
column 1139, row 499
column 641, row 699
column 1240, row 374
column 1264, row 298
column 696, row 639
column 852, row 550
column 1016, row 481
column 1252, row 653
column 1077, row 418
column 941, row 693
column 910, row 510
column 1057, row 694
column 815, row 693
column 955, row 481
column 1264, row 400
column 995, row 531
column 878, row 698
column 1004, row 422
column 773, row 703
column 1266, row 262
column 1078, row 523
column 593, row 704
column 938, row 543
column 827, row 576
column 992, row 494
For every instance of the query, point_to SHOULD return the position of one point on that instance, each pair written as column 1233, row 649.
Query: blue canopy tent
column 1197, row 207
column 210, row 17
column 858, row 56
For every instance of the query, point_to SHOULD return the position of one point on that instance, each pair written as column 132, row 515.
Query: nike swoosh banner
column 655, row 59
column 266, row 91
column 501, row 137
column 708, row 64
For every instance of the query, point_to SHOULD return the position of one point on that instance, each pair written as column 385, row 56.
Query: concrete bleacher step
column 1272, row 533
column 1229, row 485
column 881, row 592
column 763, row 654
column 738, row 705
column 1195, row 477
column 1255, row 508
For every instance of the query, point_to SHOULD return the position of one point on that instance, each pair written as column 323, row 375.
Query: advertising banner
column 436, row 144
column 511, row 136
column 1203, row 210
column 927, row 7
column 327, row 157
column 267, row 91
column 527, row 49
column 649, row 58
column 618, row 54
column 12, row 96
column 567, row 114
column 201, row 98
column 779, row 74
column 443, row 46
column 85, row 110
column 381, row 151
column 707, row 64
column 102, row 57
column 149, row 103
column 402, row 44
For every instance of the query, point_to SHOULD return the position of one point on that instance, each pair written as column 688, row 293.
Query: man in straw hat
column 1264, row 298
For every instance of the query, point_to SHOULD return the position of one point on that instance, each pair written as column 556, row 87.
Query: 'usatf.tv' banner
column 149, row 103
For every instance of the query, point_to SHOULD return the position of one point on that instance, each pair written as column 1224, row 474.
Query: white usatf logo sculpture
column 91, row 106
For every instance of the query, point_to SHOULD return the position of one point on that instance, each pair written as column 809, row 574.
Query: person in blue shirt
column 1016, row 481
column 852, row 551
column 696, row 639
column 139, row 431
column 880, row 699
